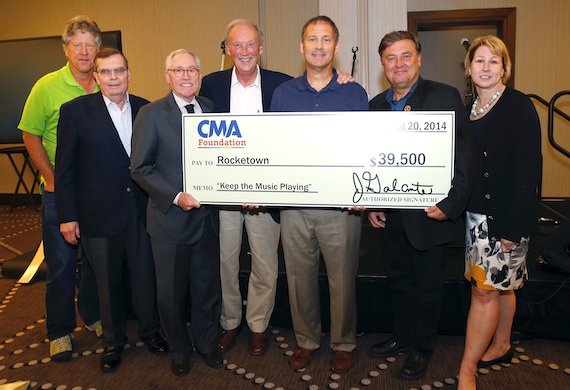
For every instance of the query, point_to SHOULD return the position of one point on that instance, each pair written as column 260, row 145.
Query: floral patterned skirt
column 486, row 265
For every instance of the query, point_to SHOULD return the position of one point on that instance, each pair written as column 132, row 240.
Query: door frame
column 503, row 18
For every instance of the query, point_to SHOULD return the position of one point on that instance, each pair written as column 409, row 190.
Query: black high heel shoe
column 506, row 358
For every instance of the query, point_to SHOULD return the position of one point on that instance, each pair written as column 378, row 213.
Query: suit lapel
column 104, row 123
column 135, row 107
column 266, row 92
column 204, row 104
column 227, row 90
column 415, row 98
column 173, row 115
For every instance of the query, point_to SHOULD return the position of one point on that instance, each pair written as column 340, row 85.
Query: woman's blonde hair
column 497, row 47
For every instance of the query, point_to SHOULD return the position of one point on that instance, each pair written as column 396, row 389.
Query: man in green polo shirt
column 81, row 40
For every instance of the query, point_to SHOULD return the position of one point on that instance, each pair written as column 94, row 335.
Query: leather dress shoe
column 180, row 367
column 214, row 359
column 111, row 358
column 390, row 347
column 156, row 344
column 506, row 358
column 342, row 361
column 258, row 344
column 228, row 339
column 415, row 365
column 300, row 358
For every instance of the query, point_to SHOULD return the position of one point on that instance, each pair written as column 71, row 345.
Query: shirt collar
column 109, row 101
column 70, row 80
column 181, row 103
column 333, row 84
column 256, row 82
column 398, row 105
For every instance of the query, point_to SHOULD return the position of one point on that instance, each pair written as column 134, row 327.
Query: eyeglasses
column 179, row 72
column 79, row 46
column 107, row 72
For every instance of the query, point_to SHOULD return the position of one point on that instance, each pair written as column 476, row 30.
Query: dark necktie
column 190, row 108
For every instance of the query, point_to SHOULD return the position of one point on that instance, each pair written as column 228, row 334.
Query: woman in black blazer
column 502, row 210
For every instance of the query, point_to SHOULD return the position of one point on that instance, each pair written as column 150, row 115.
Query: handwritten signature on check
column 367, row 183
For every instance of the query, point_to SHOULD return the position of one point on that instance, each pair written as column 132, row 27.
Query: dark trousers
column 189, row 272
column 414, row 280
column 111, row 259
column 87, row 292
column 61, row 278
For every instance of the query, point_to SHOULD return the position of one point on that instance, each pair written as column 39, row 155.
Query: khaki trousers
column 306, row 233
column 263, row 236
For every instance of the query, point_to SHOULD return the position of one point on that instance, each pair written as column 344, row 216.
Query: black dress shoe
column 390, row 347
column 180, row 367
column 506, row 358
column 213, row 359
column 415, row 366
column 156, row 344
column 111, row 358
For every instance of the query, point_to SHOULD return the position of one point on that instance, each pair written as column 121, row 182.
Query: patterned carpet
column 24, row 352
column 20, row 231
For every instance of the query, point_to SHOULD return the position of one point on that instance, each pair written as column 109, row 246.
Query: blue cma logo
column 208, row 129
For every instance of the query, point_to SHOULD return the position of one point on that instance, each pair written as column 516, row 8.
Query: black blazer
column 510, row 166
column 217, row 86
column 92, row 180
column 156, row 165
column 422, row 231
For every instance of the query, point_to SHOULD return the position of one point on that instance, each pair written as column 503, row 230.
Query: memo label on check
column 378, row 159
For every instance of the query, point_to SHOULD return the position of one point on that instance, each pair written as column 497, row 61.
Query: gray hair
column 180, row 51
column 242, row 22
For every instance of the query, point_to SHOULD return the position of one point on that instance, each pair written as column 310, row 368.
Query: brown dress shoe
column 300, row 358
column 228, row 339
column 342, row 361
column 258, row 344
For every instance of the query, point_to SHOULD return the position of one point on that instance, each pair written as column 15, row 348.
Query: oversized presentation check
column 376, row 159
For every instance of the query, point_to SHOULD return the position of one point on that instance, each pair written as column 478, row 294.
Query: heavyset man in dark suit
column 184, row 234
column 98, row 202
column 246, row 88
column 416, row 241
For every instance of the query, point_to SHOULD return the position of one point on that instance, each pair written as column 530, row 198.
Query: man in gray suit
column 184, row 234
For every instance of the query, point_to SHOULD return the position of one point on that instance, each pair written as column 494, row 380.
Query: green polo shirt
column 41, row 111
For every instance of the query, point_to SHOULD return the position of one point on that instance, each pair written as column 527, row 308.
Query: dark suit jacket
column 422, row 231
column 216, row 86
column 156, row 165
column 92, row 179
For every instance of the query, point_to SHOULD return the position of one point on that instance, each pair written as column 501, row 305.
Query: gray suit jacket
column 156, row 165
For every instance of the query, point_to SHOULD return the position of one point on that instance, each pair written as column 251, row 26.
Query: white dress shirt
column 123, row 121
column 245, row 100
